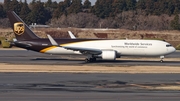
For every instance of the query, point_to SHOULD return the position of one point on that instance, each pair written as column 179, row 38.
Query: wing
column 81, row 50
column 84, row 50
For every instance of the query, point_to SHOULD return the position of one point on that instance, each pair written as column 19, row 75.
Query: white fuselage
column 122, row 47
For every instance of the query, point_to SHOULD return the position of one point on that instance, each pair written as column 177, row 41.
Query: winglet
column 71, row 35
column 53, row 42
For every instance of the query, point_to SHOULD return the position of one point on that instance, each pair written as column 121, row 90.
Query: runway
column 87, row 86
column 30, row 57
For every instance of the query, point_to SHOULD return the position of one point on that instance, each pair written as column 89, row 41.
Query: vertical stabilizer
column 21, row 30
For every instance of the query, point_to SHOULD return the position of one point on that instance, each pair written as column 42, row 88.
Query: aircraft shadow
column 132, row 61
column 116, row 62
column 52, row 59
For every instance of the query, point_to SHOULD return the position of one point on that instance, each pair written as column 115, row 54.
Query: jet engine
column 108, row 55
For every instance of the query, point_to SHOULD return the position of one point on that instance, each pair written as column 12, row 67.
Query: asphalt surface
column 30, row 57
column 84, row 86
column 87, row 87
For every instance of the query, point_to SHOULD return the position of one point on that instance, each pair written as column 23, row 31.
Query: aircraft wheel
column 87, row 60
column 93, row 59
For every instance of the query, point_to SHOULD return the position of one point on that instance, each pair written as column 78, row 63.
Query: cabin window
column 169, row 45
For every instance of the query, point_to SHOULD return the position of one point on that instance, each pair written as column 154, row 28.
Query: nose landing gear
column 161, row 57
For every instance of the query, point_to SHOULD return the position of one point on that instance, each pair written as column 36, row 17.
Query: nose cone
column 171, row 50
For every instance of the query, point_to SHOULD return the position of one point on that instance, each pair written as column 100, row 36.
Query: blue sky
column 92, row 1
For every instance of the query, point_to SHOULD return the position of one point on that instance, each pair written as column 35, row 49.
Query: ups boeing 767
column 106, row 49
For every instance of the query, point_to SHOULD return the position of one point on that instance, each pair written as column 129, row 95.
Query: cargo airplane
column 105, row 49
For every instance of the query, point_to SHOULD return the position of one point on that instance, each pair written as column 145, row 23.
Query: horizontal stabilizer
column 53, row 42
column 14, row 39
column 71, row 35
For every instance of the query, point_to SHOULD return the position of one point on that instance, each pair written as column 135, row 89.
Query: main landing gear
column 87, row 60
column 161, row 57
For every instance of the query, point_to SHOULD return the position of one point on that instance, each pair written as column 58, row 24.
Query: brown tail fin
column 21, row 30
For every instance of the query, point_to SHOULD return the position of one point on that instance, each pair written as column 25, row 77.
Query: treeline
column 129, row 14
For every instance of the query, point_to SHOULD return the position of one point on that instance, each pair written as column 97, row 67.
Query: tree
column 170, row 8
column 24, row 12
column 98, row 8
column 67, row 3
column 59, row 11
column 33, row 2
column 141, row 4
column 54, row 5
column 158, row 7
column 15, row 6
column 175, row 23
column 51, row 6
column 131, row 4
column 176, row 10
column 87, row 4
column 75, row 7
column 39, row 14
column 107, row 8
column 149, row 6
column 162, row 7
column 21, row 4
column 2, row 13
column 103, row 8
column 81, row 20
column 6, row 4
column 118, row 6
column 48, row 3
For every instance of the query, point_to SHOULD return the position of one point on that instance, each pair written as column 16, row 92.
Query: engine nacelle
column 108, row 55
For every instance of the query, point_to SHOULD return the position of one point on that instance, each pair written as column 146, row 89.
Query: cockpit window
column 169, row 45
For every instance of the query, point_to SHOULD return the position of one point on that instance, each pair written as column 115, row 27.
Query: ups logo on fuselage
column 19, row 28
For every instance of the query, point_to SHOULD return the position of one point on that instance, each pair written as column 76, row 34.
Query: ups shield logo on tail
column 19, row 28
